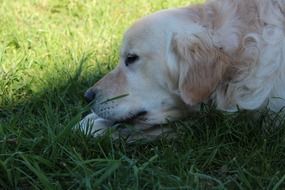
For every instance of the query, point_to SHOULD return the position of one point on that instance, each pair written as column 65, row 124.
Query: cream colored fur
column 228, row 52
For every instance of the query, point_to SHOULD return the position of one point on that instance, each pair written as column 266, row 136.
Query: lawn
column 51, row 51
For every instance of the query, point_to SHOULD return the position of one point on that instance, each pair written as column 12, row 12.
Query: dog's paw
column 94, row 125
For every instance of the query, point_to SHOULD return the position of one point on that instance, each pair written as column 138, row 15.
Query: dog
column 230, row 53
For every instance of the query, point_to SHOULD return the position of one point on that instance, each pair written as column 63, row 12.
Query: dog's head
column 168, row 64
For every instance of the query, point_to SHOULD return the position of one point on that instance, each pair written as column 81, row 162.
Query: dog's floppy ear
column 201, row 66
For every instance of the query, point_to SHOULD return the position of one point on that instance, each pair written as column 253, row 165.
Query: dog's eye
column 131, row 58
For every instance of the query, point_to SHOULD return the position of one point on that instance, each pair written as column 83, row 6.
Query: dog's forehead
column 142, row 36
column 152, row 32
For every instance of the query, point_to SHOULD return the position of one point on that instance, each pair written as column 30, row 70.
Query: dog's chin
column 137, row 118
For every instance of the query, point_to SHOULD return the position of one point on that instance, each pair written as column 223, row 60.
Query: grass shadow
column 211, row 148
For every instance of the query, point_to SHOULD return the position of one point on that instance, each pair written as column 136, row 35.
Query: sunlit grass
column 51, row 51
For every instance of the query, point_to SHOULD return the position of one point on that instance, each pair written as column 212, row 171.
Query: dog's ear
column 201, row 66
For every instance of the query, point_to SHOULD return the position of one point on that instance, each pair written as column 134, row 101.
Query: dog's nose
column 89, row 95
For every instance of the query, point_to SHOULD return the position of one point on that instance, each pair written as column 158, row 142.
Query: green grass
column 51, row 51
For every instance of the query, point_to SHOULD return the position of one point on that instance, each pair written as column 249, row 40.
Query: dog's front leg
column 94, row 125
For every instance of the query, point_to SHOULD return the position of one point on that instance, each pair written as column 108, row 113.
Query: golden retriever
column 227, row 52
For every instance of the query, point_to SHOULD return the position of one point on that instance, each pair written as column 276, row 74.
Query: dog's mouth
column 133, row 118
